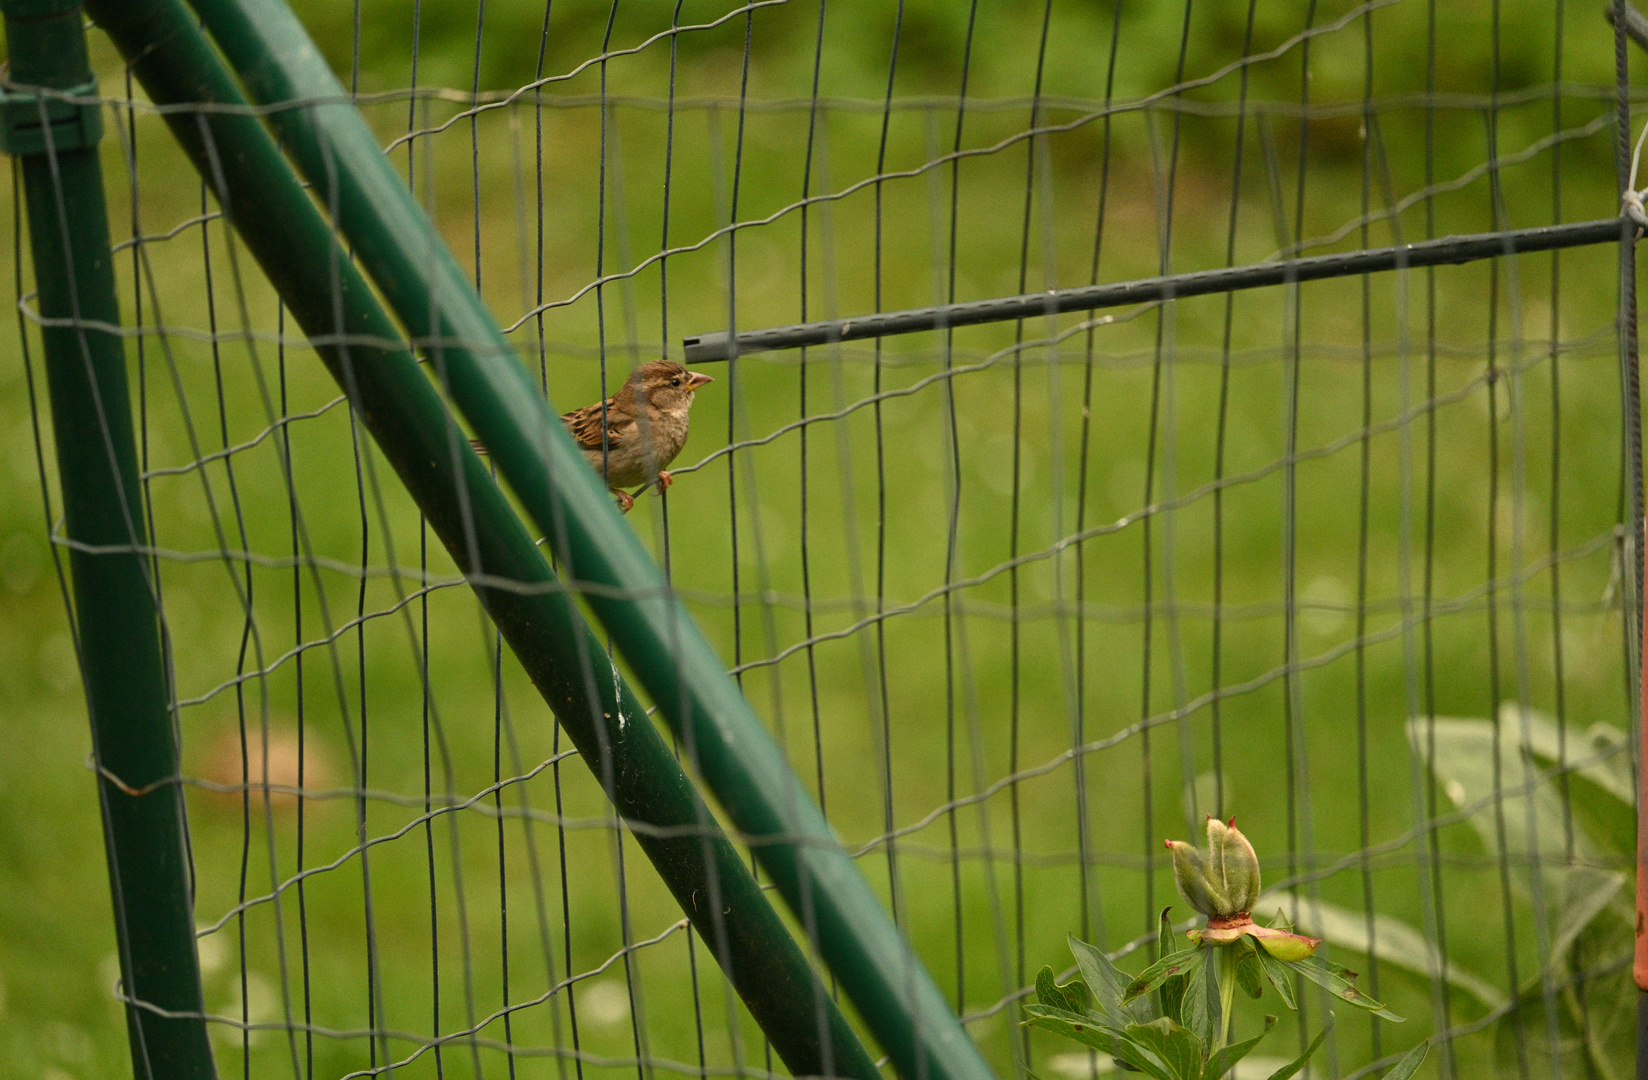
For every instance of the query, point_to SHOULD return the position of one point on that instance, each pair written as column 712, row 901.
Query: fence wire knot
column 1631, row 202
column 1631, row 207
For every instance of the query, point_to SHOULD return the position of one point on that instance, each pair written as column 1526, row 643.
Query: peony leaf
column 1159, row 972
column 1106, row 984
column 1118, row 1044
column 1225, row 1060
column 1299, row 1062
column 1409, row 1064
column 1281, row 977
column 1174, row 1045
column 1249, row 972
column 1072, row 995
column 1340, row 982
column 1199, row 1007
column 1393, row 941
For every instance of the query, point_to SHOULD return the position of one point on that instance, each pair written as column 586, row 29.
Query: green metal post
column 406, row 416
column 405, row 257
column 116, row 616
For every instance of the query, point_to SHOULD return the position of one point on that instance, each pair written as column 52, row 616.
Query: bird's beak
column 696, row 379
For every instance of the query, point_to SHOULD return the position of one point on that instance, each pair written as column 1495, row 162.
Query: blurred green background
column 1415, row 479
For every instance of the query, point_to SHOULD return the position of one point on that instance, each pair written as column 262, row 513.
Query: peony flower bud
column 1190, row 873
column 1237, row 863
column 1224, row 886
column 1226, row 882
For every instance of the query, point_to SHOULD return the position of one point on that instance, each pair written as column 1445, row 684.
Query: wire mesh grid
column 1344, row 559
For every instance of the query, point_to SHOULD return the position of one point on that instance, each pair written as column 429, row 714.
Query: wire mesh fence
column 1347, row 559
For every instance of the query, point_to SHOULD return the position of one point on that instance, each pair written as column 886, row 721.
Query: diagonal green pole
column 405, row 414
column 405, row 257
column 115, row 606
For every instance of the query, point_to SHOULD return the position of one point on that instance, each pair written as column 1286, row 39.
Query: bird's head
column 667, row 385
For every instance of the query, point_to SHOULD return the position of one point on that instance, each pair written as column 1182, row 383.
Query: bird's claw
column 664, row 481
column 625, row 500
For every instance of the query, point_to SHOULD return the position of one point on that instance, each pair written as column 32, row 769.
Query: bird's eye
column 676, row 381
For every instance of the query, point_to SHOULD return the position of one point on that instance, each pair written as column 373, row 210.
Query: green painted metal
column 32, row 123
column 404, row 256
column 472, row 517
column 116, row 616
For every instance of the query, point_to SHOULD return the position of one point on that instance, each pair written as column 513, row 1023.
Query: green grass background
column 1498, row 474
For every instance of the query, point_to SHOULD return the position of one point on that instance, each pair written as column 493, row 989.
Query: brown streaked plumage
column 645, row 427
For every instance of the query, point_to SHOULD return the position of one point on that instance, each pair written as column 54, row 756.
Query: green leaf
column 1281, row 977
column 1159, row 972
column 1118, row 1044
column 1338, row 981
column 1210, row 987
column 1394, row 942
column 1172, row 1044
column 1406, row 1067
column 1601, row 754
column 1173, row 998
column 1106, row 984
column 1518, row 813
column 1072, row 995
column 1038, row 1013
column 1226, row 1059
column 1588, row 892
column 1047, row 992
column 1071, row 1025
column 1249, row 972
column 1200, row 1007
column 1299, row 1062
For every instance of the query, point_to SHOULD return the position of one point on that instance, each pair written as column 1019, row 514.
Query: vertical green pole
column 115, row 608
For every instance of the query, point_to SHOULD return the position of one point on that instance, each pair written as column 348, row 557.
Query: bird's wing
column 585, row 425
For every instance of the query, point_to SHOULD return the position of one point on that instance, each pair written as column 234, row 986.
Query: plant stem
column 1227, row 994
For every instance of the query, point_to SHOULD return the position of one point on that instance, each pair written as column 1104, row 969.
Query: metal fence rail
column 1450, row 250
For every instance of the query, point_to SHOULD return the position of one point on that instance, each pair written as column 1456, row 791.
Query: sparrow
column 645, row 427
